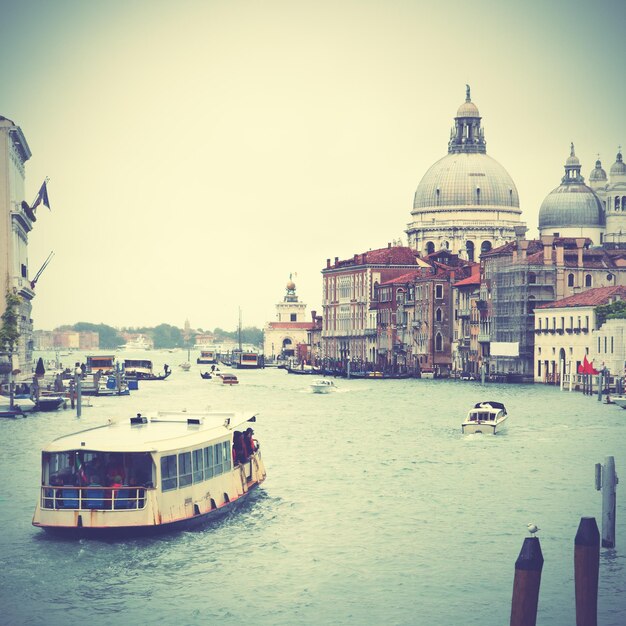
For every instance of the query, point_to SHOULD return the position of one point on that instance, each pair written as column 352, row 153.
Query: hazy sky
column 201, row 151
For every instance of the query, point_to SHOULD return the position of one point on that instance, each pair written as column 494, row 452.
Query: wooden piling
column 609, row 482
column 586, row 571
column 526, row 583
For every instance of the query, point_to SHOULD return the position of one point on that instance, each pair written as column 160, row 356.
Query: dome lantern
column 467, row 135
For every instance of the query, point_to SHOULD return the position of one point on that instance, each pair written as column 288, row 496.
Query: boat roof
column 489, row 404
column 162, row 431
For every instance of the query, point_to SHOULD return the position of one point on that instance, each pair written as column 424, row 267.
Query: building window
column 532, row 278
column 570, row 280
column 539, row 368
column 293, row 317
column 438, row 315
column 587, row 280
column 485, row 246
column 430, row 247
column 469, row 248
column 439, row 292
column 438, row 342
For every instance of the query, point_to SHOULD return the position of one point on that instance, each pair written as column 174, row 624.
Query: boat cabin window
column 169, row 473
column 184, row 469
column 103, row 469
column 195, row 466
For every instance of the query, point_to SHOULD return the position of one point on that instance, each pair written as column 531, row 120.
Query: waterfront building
column 465, row 347
column 434, row 314
column 17, row 219
column 314, row 339
column 466, row 202
column 522, row 275
column 394, row 303
column 349, row 323
column 282, row 337
column 566, row 331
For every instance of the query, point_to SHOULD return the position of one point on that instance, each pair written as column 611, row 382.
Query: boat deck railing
column 93, row 498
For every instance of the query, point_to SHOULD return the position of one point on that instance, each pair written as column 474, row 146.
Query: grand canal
column 376, row 510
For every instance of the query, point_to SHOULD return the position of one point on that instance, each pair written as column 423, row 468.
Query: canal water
column 376, row 510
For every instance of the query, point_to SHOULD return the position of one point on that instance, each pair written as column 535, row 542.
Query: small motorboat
column 20, row 406
column 50, row 403
column 206, row 375
column 185, row 366
column 486, row 417
column 322, row 385
column 228, row 379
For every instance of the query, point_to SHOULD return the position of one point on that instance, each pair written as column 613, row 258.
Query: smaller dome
column 597, row 174
column 619, row 167
column 468, row 109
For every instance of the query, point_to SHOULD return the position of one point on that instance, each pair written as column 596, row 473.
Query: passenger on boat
column 239, row 448
column 252, row 445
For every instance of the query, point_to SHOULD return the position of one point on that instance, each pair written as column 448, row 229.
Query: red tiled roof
column 591, row 297
column 392, row 255
column 405, row 278
column 292, row 325
column 473, row 279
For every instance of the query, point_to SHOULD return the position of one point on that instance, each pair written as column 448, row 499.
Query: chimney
column 522, row 246
column 336, row 260
column 560, row 254
column 580, row 246
column 327, row 263
column 389, row 245
column 547, row 241
column 313, row 315
column 520, row 232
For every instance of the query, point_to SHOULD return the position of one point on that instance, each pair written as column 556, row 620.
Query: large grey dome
column 571, row 204
column 466, row 179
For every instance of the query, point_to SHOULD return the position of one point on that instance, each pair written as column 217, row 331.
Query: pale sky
column 201, row 151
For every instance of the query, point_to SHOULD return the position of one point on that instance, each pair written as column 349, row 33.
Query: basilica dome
column 619, row 167
column 572, row 203
column 466, row 179
column 598, row 174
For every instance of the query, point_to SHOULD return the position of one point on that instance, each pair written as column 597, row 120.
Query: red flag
column 581, row 369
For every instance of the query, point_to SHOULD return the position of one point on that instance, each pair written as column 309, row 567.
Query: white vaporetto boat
column 143, row 475
column 322, row 386
column 486, row 417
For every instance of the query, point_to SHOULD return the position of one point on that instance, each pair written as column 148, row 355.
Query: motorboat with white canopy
column 486, row 417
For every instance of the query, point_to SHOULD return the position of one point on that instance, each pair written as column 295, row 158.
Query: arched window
column 609, row 277
column 430, row 247
column 617, row 203
column 438, row 342
column 477, row 195
column 469, row 247
column 587, row 280
column 438, row 315
column 623, row 203
column 445, row 245
column 532, row 278
column 570, row 280
column 485, row 246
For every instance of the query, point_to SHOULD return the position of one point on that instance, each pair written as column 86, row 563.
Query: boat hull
column 119, row 532
column 485, row 428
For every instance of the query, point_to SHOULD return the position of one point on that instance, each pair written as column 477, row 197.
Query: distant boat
column 323, row 385
column 20, row 406
column 141, row 369
column 486, row 417
column 137, row 343
column 186, row 366
column 207, row 357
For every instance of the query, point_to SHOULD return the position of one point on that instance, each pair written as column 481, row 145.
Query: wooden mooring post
column 606, row 481
column 586, row 571
column 526, row 583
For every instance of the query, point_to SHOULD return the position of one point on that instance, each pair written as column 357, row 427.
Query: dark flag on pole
column 42, row 196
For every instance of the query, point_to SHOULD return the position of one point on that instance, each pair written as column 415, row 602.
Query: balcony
column 484, row 337
column 464, row 312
